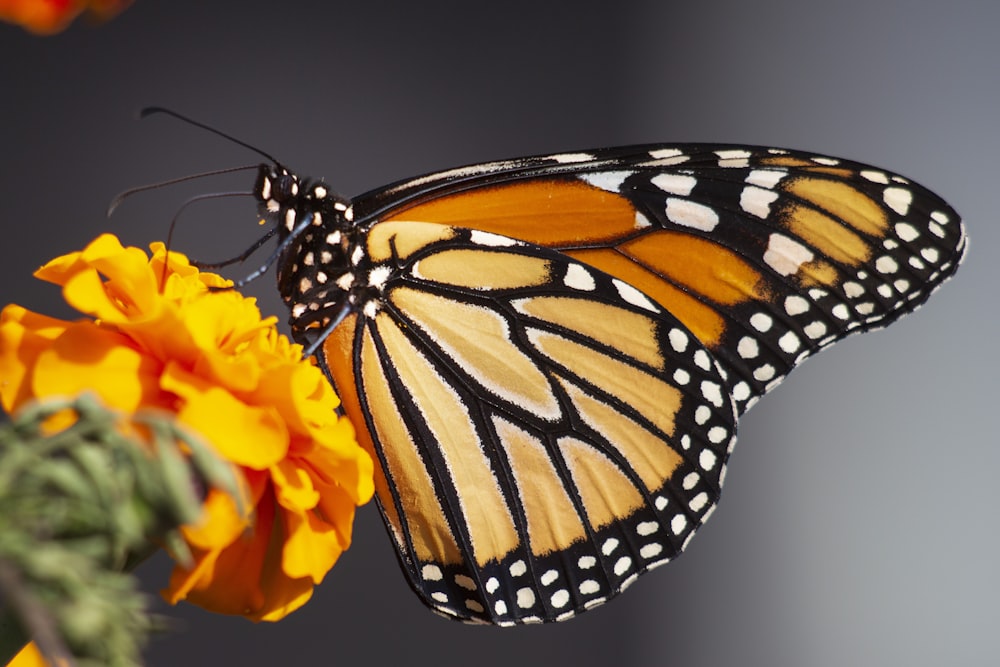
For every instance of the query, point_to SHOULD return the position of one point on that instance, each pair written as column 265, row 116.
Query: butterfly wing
column 546, row 432
column 766, row 255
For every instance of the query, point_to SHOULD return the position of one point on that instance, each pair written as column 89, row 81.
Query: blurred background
column 859, row 523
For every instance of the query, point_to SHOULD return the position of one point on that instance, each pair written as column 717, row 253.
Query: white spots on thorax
column 345, row 281
column 357, row 255
column 579, row 278
column 898, row 199
column 675, row 184
column 333, row 238
column 610, row 181
column 308, row 259
column 757, row 201
column 370, row 309
column 290, row 219
column 784, row 255
column 378, row 276
column 690, row 214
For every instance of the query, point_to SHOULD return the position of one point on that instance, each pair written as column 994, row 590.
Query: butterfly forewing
column 766, row 255
column 546, row 432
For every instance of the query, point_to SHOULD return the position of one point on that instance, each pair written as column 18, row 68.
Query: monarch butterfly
column 548, row 355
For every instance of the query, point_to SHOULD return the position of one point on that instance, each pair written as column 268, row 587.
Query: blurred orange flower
column 231, row 377
column 45, row 17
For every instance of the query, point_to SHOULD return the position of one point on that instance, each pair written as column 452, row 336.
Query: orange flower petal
column 88, row 357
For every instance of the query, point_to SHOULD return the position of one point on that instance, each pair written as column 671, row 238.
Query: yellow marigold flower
column 230, row 376
column 45, row 17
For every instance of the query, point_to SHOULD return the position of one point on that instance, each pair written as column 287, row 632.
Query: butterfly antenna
column 148, row 111
column 121, row 197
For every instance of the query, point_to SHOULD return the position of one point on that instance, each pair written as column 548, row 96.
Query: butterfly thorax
column 317, row 270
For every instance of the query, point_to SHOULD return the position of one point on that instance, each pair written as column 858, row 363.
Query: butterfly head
column 315, row 270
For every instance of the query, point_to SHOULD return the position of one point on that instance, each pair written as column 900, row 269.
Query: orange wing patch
column 573, row 212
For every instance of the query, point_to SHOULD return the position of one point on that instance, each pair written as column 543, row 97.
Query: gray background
column 858, row 525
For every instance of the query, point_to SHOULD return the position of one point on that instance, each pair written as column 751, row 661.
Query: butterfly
column 547, row 356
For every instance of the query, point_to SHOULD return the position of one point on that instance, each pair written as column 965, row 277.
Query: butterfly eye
column 286, row 187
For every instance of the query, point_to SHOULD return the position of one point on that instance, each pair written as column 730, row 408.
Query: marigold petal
column 23, row 336
column 221, row 523
column 292, row 486
column 87, row 357
column 312, row 546
column 251, row 436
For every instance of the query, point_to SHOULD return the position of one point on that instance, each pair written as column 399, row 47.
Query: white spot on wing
column 661, row 153
column 489, row 239
column 765, row 178
column 757, row 201
column 875, row 176
column 898, row 199
column 606, row 180
column 579, row 278
column 689, row 214
column 633, row 296
column 784, row 255
column 569, row 158
column 676, row 184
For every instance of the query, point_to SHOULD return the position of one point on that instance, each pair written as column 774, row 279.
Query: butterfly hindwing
column 546, row 432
